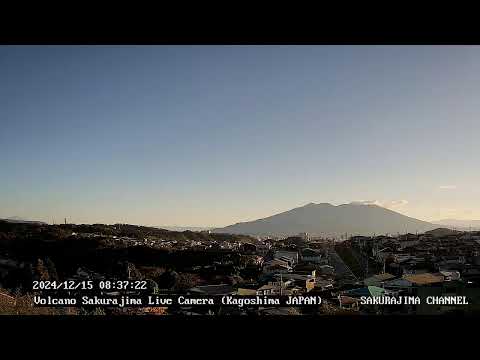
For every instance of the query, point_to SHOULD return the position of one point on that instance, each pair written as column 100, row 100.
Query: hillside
column 440, row 232
column 459, row 224
column 19, row 220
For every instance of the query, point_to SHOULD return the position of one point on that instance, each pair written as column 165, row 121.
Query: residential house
column 450, row 275
column 424, row 279
column 268, row 289
column 326, row 270
column 245, row 291
column 311, row 256
column 248, row 248
column 378, row 280
column 276, row 266
column 398, row 284
column 285, row 254
column 348, row 303
column 324, row 284
column 368, row 291
column 305, row 282
column 222, row 289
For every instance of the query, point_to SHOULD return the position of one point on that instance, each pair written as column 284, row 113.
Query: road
column 342, row 271
column 362, row 259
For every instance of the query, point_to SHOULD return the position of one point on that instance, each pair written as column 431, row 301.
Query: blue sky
column 213, row 135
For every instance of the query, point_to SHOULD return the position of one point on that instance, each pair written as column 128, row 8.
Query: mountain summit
column 328, row 219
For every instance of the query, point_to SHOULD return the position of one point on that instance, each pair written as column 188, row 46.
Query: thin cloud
column 395, row 203
column 385, row 204
column 447, row 187
column 367, row 202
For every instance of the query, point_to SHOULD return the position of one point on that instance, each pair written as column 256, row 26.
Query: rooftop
column 424, row 279
column 222, row 289
column 383, row 277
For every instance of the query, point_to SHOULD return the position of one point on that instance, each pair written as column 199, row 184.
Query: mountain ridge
column 328, row 219
column 461, row 224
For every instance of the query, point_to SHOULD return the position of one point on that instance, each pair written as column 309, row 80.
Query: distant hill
column 459, row 224
column 32, row 231
column 328, row 219
column 184, row 228
column 19, row 220
column 439, row 232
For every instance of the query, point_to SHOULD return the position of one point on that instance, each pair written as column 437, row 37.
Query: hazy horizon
column 206, row 226
column 208, row 136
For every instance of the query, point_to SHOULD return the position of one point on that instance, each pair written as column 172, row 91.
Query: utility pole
column 366, row 272
column 281, row 284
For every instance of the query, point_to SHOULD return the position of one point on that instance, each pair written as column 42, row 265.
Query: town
column 347, row 275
